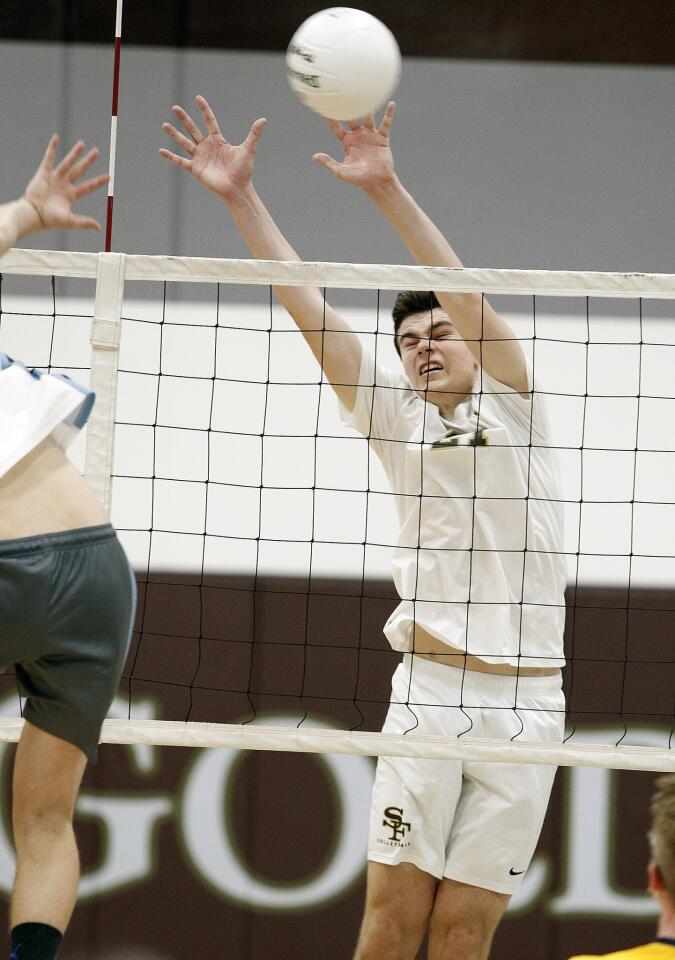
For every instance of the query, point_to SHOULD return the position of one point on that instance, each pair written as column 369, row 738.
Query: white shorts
column 477, row 823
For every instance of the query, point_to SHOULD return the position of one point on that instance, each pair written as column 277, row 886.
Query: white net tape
column 172, row 733
column 343, row 275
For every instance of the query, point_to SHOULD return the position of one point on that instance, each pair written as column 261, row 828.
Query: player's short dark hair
column 409, row 302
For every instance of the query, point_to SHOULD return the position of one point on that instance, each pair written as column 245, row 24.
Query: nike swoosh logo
column 515, row 873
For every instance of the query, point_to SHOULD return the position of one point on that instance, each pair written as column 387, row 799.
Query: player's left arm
column 47, row 202
column 368, row 163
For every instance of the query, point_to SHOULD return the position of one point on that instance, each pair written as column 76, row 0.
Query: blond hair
column 662, row 833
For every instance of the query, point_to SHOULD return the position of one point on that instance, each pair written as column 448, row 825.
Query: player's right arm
column 227, row 170
column 369, row 164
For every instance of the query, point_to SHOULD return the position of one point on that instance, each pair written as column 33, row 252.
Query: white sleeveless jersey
column 479, row 561
column 35, row 405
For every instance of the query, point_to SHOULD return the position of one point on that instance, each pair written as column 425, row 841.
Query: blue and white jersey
column 35, row 405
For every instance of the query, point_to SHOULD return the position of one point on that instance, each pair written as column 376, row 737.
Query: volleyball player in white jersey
column 478, row 566
column 67, row 594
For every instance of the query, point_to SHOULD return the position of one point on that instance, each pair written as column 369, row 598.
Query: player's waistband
column 474, row 680
column 80, row 537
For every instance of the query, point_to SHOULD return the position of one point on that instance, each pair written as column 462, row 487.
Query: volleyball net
column 262, row 529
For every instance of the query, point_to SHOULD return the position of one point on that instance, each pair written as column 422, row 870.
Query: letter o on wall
column 208, row 843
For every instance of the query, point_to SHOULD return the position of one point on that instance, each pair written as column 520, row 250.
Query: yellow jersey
column 657, row 950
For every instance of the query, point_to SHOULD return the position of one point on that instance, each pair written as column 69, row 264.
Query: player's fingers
column 174, row 158
column 50, row 152
column 388, row 118
column 75, row 172
column 353, row 124
column 70, row 158
column 369, row 121
column 208, row 114
column 90, row 185
column 188, row 123
column 180, row 138
column 255, row 133
column 88, row 223
column 327, row 162
column 336, row 127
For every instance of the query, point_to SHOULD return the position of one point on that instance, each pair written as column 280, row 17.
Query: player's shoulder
column 525, row 414
column 393, row 390
column 647, row 951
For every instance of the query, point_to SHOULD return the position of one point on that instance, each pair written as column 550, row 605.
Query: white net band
column 170, row 733
column 550, row 283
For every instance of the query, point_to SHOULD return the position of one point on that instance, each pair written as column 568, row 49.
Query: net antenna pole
column 113, row 126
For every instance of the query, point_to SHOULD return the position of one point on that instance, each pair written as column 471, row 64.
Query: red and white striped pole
column 113, row 126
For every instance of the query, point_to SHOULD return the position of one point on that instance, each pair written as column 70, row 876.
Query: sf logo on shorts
column 393, row 818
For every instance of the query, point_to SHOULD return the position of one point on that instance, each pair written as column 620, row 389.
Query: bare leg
column 47, row 776
column 398, row 904
column 463, row 921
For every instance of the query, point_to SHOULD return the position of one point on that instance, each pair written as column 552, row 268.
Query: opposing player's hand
column 53, row 190
column 221, row 166
column 368, row 162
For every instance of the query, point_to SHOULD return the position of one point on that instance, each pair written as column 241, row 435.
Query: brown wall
column 578, row 31
column 142, row 809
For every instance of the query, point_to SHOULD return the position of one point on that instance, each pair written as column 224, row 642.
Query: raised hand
column 53, row 190
column 368, row 162
column 221, row 166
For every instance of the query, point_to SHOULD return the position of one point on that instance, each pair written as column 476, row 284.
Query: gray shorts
column 67, row 607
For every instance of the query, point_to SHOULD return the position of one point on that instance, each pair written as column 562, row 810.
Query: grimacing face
column 436, row 360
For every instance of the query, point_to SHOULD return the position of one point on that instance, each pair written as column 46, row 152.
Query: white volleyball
column 343, row 63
